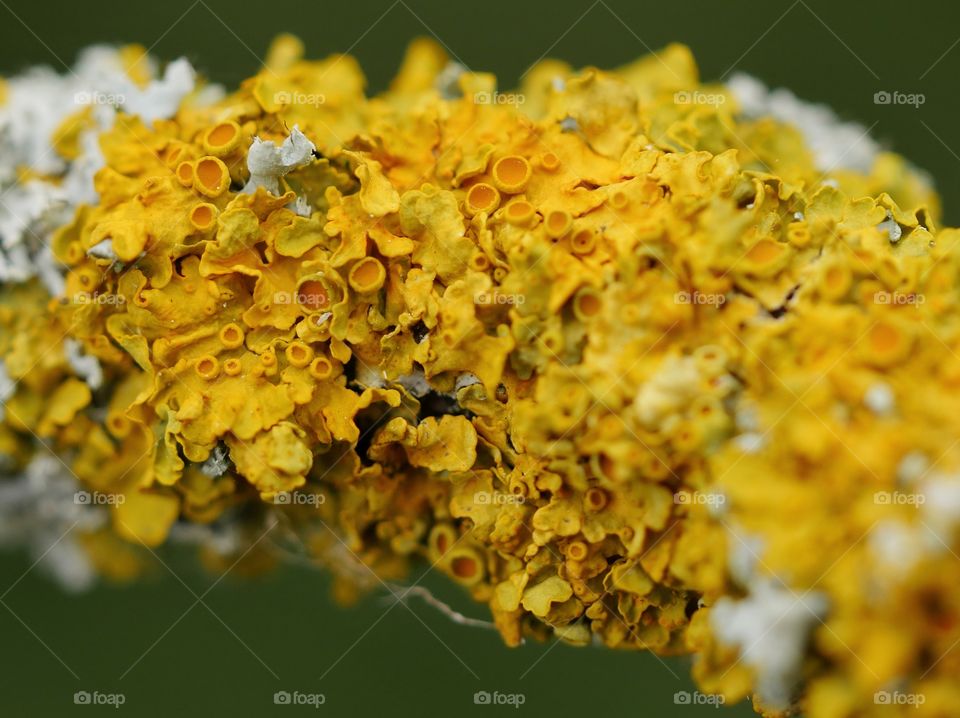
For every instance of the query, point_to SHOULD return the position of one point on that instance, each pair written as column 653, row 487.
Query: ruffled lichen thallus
column 624, row 359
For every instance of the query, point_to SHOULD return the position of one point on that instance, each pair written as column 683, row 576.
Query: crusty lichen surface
column 620, row 358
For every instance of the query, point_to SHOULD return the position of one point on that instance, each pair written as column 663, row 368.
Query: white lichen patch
column 771, row 627
column 268, row 163
column 85, row 366
column 835, row 144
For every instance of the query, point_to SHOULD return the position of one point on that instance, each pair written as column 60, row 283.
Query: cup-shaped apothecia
column 511, row 173
column 222, row 139
column 317, row 292
column 367, row 275
column 481, row 197
column 210, row 176
column 203, row 216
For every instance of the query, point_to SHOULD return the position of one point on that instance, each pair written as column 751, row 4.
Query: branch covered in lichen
column 618, row 352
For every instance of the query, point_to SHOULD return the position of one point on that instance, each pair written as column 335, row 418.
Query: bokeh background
column 248, row 638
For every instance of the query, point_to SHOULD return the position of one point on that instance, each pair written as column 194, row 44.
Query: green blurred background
column 282, row 632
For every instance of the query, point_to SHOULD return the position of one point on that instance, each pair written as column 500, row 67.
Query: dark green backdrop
column 222, row 661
